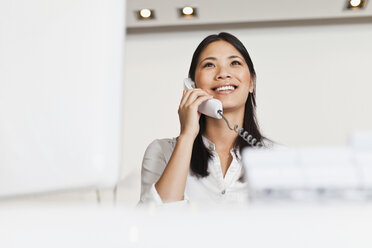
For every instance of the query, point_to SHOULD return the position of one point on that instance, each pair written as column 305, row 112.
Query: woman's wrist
column 186, row 138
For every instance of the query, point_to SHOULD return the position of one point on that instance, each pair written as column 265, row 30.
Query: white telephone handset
column 210, row 107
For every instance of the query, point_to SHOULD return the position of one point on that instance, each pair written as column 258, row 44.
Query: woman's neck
column 218, row 132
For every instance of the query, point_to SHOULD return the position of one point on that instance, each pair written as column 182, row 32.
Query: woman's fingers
column 187, row 111
column 187, row 94
column 190, row 96
column 200, row 100
column 196, row 95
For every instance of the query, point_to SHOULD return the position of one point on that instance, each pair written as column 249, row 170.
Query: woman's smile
column 225, row 89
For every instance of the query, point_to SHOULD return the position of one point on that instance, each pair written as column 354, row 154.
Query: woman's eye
column 235, row 62
column 208, row 65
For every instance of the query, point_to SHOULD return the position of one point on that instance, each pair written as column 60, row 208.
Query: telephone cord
column 244, row 134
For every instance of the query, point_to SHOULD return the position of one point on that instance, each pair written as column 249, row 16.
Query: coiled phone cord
column 244, row 134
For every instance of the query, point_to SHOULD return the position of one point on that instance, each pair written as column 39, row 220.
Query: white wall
column 313, row 83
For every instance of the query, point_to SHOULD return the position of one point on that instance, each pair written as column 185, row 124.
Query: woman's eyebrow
column 211, row 58
column 234, row 57
column 214, row 58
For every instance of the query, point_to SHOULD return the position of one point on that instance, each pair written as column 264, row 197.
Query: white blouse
column 213, row 188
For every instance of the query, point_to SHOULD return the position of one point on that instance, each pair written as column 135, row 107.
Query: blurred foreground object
column 60, row 94
column 287, row 226
column 312, row 174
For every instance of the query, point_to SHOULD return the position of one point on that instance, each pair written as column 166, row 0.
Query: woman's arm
column 172, row 183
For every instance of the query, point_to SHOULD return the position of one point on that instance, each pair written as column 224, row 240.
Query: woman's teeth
column 228, row 87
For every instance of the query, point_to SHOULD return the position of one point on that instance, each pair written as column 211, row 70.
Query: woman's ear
column 252, row 85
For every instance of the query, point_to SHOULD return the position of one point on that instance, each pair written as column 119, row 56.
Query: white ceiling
column 212, row 12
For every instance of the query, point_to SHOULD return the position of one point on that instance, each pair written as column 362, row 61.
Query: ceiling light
column 356, row 4
column 145, row 14
column 187, row 11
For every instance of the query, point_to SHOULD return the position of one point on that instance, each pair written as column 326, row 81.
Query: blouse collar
column 212, row 147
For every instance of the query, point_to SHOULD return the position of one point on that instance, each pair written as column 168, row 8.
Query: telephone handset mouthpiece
column 211, row 107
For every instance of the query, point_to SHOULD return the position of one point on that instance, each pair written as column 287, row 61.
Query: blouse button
column 223, row 192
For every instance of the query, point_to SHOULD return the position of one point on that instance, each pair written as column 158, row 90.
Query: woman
column 203, row 164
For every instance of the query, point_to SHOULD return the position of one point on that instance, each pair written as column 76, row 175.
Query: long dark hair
column 200, row 153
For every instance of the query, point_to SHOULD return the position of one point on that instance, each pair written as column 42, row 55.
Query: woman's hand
column 188, row 111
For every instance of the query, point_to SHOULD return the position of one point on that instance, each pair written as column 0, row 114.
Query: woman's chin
column 228, row 108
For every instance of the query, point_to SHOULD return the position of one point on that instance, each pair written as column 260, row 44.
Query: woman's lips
column 225, row 92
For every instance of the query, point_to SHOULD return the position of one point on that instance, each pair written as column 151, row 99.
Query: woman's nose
column 223, row 74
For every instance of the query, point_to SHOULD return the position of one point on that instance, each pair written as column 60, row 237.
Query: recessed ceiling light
column 356, row 4
column 145, row 14
column 187, row 11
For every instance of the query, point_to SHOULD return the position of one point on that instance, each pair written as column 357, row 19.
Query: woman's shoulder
column 164, row 143
column 162, row 147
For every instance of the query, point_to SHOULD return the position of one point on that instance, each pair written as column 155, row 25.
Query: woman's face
column 223, row 73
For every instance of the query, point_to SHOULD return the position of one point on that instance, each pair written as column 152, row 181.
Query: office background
column 313, row 80
column 313, row 76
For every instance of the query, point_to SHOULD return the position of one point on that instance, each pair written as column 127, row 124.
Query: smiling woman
column 203, row 164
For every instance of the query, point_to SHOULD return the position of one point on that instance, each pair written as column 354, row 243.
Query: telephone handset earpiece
column 213, row 108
